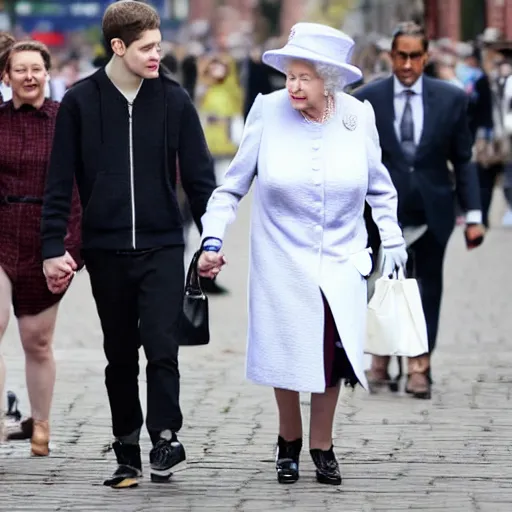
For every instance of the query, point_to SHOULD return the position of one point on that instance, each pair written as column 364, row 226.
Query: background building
column 466, row 19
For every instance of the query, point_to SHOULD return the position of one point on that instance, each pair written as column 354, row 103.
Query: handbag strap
column 193, row 284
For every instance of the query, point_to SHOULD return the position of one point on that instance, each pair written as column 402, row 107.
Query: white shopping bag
column 395, row 320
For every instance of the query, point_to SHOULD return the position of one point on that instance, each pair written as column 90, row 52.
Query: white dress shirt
column 399, row 100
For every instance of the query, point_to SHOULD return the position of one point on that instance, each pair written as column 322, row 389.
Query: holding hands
column 211, row 259
column 210, row 264
column 58, row 272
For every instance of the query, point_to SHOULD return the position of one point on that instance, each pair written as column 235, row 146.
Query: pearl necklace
column 327, row 114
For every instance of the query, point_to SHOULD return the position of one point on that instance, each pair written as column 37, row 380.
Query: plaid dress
column 25, row 144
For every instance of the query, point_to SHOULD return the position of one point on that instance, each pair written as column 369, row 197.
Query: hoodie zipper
column 132, row 177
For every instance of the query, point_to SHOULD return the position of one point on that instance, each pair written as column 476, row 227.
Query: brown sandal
column 418, row 385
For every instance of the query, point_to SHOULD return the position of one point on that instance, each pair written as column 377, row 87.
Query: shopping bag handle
column 399, row 273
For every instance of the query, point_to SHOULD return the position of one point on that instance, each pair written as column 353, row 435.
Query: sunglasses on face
column 414, row 56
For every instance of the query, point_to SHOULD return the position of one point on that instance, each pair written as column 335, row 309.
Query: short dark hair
column 128, row 20
column 6, row 43
column 29, row 46
column 409, row 28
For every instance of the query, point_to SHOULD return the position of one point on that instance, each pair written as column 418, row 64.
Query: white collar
column 416, row 87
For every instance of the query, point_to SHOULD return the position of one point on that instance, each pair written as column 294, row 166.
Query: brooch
column 350, row 122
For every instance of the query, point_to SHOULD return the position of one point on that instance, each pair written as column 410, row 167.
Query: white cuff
column 474, row 217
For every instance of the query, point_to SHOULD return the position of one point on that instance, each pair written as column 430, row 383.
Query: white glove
column 393, row 259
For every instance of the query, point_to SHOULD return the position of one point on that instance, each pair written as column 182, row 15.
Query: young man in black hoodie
column 119, row 133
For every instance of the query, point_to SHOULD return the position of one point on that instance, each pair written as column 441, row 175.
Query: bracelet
column 212, row 244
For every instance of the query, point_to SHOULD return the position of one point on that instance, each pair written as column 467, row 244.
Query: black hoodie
column 124, row 170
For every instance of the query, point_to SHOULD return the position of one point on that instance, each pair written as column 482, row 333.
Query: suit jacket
column 426, row 190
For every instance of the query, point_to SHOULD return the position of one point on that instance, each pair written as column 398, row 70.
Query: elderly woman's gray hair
column 332, row 77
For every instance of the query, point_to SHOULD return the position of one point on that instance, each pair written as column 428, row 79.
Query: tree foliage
column 329, row 12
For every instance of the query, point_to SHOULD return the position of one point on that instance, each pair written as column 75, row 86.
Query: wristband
column 212, row 244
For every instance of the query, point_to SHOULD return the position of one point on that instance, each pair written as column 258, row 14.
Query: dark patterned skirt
column 21, row 259
column 336, row 362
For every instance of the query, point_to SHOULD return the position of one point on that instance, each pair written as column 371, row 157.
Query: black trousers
column 139, row 298
column 487, row 178
column 425, row 263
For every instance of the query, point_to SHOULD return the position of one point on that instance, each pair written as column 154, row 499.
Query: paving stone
column 449, row 454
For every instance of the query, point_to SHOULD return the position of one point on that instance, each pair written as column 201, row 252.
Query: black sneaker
column 165, row 456
column 129, row 469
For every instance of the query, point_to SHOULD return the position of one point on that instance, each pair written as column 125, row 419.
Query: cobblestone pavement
column 451, row 454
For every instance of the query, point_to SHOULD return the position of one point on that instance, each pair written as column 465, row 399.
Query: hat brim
column 278, row 59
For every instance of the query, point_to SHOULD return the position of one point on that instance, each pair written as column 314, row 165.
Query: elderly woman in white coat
column 313, row 154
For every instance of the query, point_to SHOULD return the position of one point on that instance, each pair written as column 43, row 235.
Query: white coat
column 308, row 233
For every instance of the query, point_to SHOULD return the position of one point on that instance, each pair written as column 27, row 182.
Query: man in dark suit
column 422, row 124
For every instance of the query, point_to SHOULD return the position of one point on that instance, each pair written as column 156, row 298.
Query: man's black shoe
column 165, row 456
column 129, row 468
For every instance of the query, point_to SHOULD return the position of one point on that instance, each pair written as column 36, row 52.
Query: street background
column 452, row 453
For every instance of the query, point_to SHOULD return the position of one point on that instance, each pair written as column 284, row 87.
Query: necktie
column 407, row 129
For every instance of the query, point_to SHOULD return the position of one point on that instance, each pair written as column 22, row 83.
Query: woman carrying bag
column 313, row 153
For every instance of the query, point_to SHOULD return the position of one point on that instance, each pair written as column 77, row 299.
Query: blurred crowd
column 219, row 64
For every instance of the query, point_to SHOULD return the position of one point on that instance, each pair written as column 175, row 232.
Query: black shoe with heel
column 327, row 468
column 287, row 460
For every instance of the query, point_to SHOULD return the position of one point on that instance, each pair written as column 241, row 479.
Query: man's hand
column 210, row 264
column 474, row 234
column 59, row 272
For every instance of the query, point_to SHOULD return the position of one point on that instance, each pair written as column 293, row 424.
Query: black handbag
column 195, row 328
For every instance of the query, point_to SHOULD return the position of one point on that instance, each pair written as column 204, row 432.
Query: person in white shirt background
column 423, row 125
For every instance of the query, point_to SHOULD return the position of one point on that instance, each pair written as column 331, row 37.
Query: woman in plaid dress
column 27, row 125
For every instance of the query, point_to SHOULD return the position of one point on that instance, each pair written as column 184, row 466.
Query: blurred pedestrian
column 423, row 125
column 28, row 122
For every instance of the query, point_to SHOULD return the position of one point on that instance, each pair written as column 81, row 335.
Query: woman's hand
column 59, row 272
column 210, row 264
column 393, row 259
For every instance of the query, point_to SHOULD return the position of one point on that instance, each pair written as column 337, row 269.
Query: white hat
column 318, row 44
